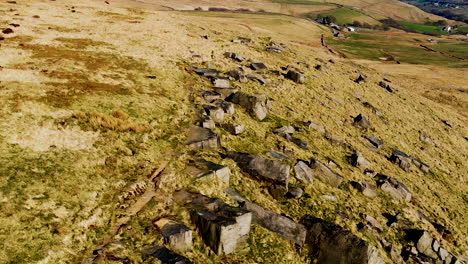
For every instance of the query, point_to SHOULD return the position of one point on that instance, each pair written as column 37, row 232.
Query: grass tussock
column 118, row 121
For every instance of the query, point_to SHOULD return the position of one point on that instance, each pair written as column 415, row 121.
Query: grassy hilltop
column 94, row 97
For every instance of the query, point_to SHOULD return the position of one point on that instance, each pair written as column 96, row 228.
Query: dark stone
column 402, row 159
column 361, row 79
column 331, row 244
column 357, row 160
column 374, row 141
column 199, row 137
column 394, row 188
column 295, row 75
column 314, row 126
column 166, row 256
column 151, row 77
column 211, row 96
column 266, row 169
column 257, row 79
column 177, row 235
column 225, row 92
column 386, row 86
column 228, row 108
column 207, row 170
column 367, row 188
column 258, row 66
column 278, row 155
column 325, row 174
column 234, row 56
column 238, row 75
column 234, row 129
column 205, row 72
column 361, row 122
column 297, row 141
column 7, row 31
column 281, row 225
column 447, row 123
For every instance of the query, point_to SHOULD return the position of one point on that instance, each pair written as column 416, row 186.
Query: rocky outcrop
column 281, row 225
column 222, row 227
column 396, row 189
column 331, row 244
column 257, row 105
column 430, row 248
column 262, row 168
column 365, row 187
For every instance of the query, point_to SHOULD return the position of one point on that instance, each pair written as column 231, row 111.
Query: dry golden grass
column 58, row 202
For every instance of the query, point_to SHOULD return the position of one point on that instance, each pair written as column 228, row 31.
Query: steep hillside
column 112, row 114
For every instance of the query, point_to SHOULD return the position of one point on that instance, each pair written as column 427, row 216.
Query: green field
column 424, row 29
column 300, row 2
column 376, row 47
column 346, row 15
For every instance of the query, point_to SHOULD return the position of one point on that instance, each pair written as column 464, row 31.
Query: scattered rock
column 221, row 83
column 210, row 96
column 216, row 113
column 331, row 244
column 367, row 188
column 357, row 160
column 394, row 188
column 238, row 75
column 234, row 129
column 426, row 138
column 377, row 143
column 361, row 79
column 278, row 192
column 386, row 86
column 166, row 256
column 325, row 174
column 402, row 159
column 257, row 79
column 421, row 165
column 285, row 130
column 225, row 92
column 278, row 155
column 314, row 126
column 281, row 225
column 260, row 167
column 207, row 122
column 222, row 227
column 205, row 72
column 362, row 122
column 234, row 56
column 177, row 235
column 207, row 170
column 329, row 198
column 199, row 137
column 257, row 105
column 276, row 47
column 447, row 123
column 297, row 141
column 258, row 66
column 228, row 108
column 429, row 246
column 303, row 172
column 294, row 192
column 295, row 75
column 373, row 223
column 7, row 31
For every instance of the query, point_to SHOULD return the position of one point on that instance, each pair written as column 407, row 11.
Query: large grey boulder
column 281, row 225
column 325, row 174
column 257, row 105
column 204, row 138
column 331, row 244
column 265, row 169
column 396, row 189
column 222, row 227
column 303, row 172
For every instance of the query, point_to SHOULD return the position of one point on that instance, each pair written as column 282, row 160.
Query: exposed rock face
column 325, row 174
column 205, row 72
column 266, row 169
column 359, row 161
column 177, row 235
column 362, row 122
column 199, row 137
column 394, row 188
column 281, row 225
column 238, row 75
column 430, row 247
column 295, row 75
column 258, row 106
column 331, row 244
column 207, row 122
column 303, row 172
column 166, row 256
column 377, row 143
column 222, row 227
column 367, row 188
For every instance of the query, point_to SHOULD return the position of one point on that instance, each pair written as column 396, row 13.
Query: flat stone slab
column 206, row 170
column 177, row 235
column 325, row 174
column 265, row 169
column 303, row 172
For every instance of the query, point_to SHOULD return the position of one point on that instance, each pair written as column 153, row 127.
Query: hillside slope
column 99, row 103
